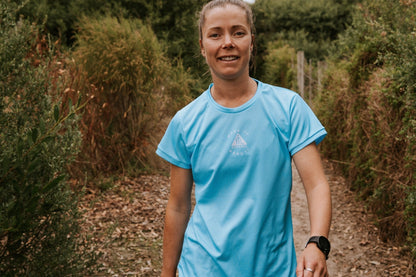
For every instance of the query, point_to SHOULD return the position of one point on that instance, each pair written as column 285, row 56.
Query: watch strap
column 322, row 243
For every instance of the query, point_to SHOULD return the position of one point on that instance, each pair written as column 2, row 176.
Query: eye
column 213, row 35
column 239, row 33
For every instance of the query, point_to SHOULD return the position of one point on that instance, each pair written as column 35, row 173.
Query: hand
column 312, row 263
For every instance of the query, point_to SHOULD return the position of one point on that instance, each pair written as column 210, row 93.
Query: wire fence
column 309, row 76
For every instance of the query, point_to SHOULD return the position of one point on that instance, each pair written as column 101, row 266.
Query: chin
column 231, row 75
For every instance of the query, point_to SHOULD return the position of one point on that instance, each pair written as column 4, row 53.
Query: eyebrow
column 232, row 27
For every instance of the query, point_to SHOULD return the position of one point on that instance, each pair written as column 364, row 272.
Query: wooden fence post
column 300, row 72
column 311, row 81
column 321, row 69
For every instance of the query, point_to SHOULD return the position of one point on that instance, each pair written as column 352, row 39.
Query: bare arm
column 177, row 215
column 309, row 165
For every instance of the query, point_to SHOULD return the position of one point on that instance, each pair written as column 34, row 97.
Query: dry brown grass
column 367, row 140
column 121, row 69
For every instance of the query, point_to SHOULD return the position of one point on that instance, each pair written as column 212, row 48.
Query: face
column 227, row 42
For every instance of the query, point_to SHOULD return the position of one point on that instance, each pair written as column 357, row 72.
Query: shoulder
column 194, row 107
column 278, row 98
column 189, row 115
column 277, row 93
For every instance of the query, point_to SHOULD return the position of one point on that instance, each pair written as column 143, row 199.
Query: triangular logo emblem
column 239, row 142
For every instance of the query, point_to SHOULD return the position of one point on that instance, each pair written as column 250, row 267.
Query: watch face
column 324, row 244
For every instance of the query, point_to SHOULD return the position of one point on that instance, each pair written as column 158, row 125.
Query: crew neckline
column 240, row 108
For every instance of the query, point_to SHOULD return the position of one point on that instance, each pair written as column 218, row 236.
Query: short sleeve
column 172, row 147
column 305, row 126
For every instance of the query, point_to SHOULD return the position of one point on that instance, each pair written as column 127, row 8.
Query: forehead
column 220, row 17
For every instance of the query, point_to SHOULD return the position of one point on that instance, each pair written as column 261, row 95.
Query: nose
column 228, row 42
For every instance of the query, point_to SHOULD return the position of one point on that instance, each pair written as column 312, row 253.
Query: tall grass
column 280, row 65
column 368, row 105
column 134, row 87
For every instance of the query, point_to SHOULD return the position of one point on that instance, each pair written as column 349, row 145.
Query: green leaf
column 20, row 145
column 33, row 165
column 30, row 138
column 79, row 101
column 42, row 126
column 53, row 183
column 33, row 202
column 48, row 139
column 69, row 105
column 56, row 112
column 35, row 134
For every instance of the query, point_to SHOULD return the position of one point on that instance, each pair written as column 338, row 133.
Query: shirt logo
column 239, row 145
column 239, row 142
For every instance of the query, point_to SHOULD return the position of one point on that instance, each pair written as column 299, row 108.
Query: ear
column 201, row 46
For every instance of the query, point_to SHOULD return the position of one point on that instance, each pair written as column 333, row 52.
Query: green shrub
column 280, row 65
column 368, row 105
column 38, row 215
column 60, row 16
column 308, row 26
column 173, row 21
column 136, row 86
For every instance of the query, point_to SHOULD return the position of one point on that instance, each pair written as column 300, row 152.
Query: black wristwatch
column 322, row 243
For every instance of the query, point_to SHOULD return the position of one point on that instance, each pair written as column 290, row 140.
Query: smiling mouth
column 229, row 58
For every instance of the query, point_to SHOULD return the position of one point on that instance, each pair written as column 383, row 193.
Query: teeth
column 228, row 58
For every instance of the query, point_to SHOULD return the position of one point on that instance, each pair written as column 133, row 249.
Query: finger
column 299, row 271
column 320, row 272
column 300, row 267
column 308, row 272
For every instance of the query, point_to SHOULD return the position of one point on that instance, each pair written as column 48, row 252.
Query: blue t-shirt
column 241, row 164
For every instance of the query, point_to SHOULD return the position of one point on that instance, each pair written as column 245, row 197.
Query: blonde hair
column 222, row 3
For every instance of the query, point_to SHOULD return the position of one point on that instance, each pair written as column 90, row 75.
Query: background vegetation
column 133, row 83
column 173, row 22
column 88, row 88
column 309, row 26
column 38, row 137
column 368, row 104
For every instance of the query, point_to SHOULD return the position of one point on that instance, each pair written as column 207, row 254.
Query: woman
column 236, row 142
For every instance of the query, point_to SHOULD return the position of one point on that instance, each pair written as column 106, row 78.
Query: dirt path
column 356, row 247
column 126, row 222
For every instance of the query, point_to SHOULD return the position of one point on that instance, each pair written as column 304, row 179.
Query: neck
column 233, row 93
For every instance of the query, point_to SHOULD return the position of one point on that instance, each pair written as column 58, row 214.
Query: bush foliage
column 280, row 65
column 173, row 21
column 38, row 215
column 309, row 26
column 135, row 86
column 369, row 106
